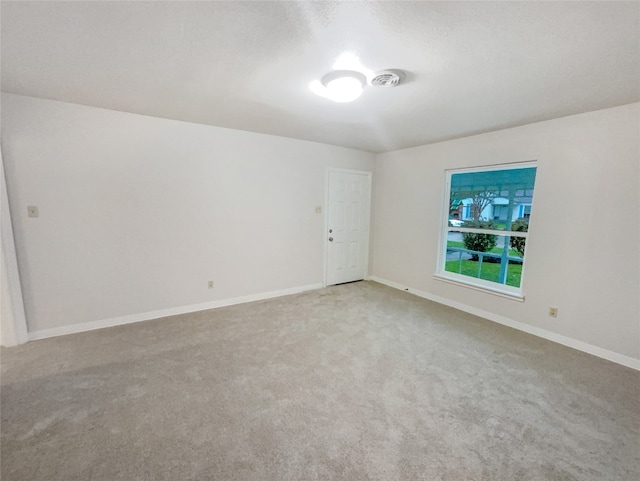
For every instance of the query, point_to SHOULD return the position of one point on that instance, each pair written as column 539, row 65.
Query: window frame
column 491, row 287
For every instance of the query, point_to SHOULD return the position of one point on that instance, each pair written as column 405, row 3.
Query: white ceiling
column 473, row 66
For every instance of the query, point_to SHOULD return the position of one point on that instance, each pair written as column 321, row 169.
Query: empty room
column 299, row 240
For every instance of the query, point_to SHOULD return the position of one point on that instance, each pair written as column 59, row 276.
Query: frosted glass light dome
column 344, row 89
column 340, row 86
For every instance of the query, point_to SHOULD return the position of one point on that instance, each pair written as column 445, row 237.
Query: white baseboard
column 146, row 316
column 536, row 331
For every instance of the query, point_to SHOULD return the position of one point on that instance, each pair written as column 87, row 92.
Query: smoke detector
column 387, row 78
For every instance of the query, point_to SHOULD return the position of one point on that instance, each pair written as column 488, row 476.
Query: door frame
column 369, row 176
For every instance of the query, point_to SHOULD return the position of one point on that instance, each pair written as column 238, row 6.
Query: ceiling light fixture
column 340, row 85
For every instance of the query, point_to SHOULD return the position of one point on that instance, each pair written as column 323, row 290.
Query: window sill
column 482, row 288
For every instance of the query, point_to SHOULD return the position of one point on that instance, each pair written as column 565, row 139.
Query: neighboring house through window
column 525, row 211
column 487, row 249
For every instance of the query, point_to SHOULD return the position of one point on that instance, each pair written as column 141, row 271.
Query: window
column 525, row 211
column 486, row 249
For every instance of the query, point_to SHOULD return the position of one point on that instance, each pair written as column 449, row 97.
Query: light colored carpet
column 353, row 382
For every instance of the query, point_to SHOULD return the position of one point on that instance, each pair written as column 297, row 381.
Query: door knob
column 330, row 231
column 330, row 239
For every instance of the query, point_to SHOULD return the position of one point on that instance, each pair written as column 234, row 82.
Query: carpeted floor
column 353, row 382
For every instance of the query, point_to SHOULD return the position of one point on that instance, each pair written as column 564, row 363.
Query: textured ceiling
column 473, row 66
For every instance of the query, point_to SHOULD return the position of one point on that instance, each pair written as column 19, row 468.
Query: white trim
column 16, row 301
column 518, row 164
column 325, row 228
column 145, row 316
column 349, row 171
column 489, row 289
column 502, row 233
column 536, row 331
column 325, row 232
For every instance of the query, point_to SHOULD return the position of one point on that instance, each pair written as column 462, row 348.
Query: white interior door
column 347, row 236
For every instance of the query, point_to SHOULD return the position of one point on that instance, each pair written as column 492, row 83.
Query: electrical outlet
column 553, row 312
column 210, row 284
column 32, row 211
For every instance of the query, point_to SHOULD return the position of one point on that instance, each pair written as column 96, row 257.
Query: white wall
column 12, row 320
column 138, row 213
column 7, row 319
column 583, row 247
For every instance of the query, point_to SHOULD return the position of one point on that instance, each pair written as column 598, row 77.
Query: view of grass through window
column 488, row 215
column 488, row 270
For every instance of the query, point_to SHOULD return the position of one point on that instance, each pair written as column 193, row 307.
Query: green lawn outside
column 489, row 271
column 496, row 250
